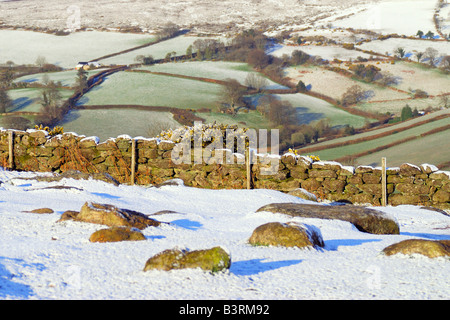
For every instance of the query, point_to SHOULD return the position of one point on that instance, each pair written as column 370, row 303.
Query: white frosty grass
column 403, row 17
column 325, row 52
column 152, row 90
column 338, row 152
column 218, row 70
column 333, row 84
column 411, row 46
column 252, row 119
column 44, row 259
column 395, row 107
column 158, row 50
column 110, row 123
column 312, row 109
column 28, row 99
column 23, row 47
column 412, row 76
column 67, row 78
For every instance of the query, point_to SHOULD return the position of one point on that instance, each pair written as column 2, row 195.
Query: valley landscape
column 344, row 84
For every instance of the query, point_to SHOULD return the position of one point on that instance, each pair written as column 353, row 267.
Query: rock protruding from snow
column 213, row 260
column 364, row 219
column 428, row 248
column 303, row 194
column 286, row 235
column 111, row 216
column 116, row 234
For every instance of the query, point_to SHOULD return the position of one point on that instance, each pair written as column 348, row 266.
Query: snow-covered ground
column 41, row 258
column 404, row 17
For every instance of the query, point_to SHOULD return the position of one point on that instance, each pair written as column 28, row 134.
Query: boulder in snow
column 428, row 248
column 364, row 219
column 116, row 234
column 214, row 259
column 286, row 235
column 110, row 215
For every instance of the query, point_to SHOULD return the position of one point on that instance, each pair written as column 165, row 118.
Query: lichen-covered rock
column 286, row 235
column 110, row 215
column 213, row 260
column 41, row 211
column 303, row 194
column 116, row 234
column 364, row 219
column 428, row 248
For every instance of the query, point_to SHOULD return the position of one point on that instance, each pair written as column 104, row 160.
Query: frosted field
column 334, row 85
column 218, row 70
column 152, row 90
column 414, row 151
column 158, row 50
column 311, row 109
column 334, row 153
column 409, row 45
column 399, row 126
column 395, row 106
column 414, row 76
column 111, row 123
column 325, row 52
column 67, row 78
column 23, row 47
column 28, row 99
column 403, row 17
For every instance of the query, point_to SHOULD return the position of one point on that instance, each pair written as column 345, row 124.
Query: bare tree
column 232, row 93
column 168, row 31
column 431, row 54
column 400, row 52
column 419, row 56
column 354, row 95
column 41, row 61
column 256, row 81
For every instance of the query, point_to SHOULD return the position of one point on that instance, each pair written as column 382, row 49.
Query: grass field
column 432, row 149
column 23, row 47
column 252, row 119
column 28, row 99
column 398, row 127
column 218, row 70
column 312, row 109
column 152, row 90
column 333, row 84
column 404, row 17
column 158, row 50
column 110, row 123
column 342, row 151
column 327, row 52
column 67, row 78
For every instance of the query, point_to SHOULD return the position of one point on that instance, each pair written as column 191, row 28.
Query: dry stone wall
column 35, row 150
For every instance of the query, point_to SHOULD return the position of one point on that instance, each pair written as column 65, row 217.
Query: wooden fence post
column 133, row 161
column 383, row 183
column 248, row 167
column 11, row 149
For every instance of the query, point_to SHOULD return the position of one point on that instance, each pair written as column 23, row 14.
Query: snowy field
column 44, row 259
column 24, row 47
column 403, row 17
column 325, row 52
column 410, row 46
